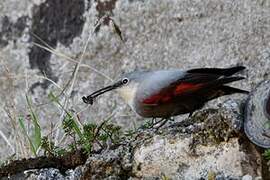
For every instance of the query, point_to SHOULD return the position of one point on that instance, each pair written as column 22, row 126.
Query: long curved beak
column 89, row 99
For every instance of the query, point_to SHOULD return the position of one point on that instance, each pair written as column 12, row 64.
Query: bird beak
column 89, row 99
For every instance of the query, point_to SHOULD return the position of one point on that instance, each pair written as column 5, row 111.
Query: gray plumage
column 165, row 93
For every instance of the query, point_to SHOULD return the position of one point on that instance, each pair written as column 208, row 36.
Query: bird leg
column 149, row 124
column 162, row 123
column 153, row 121
column 157, row 122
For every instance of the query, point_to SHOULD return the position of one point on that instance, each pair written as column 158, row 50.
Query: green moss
column 213, row 129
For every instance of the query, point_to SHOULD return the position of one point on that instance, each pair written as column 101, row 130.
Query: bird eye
column 125, row 80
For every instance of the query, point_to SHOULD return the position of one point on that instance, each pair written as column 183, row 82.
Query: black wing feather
column 218, row 71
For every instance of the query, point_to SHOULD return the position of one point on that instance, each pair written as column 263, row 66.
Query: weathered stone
column 158, row 35
column 232, row 112
column 257, row 120
column 51, row 173
column 206, row 143
column 171, row 157
column 203, row 146
column 111, row 164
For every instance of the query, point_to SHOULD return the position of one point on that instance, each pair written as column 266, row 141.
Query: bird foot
column 162, row 122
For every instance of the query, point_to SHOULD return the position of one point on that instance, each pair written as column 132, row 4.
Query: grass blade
column 37, row 131
column 21, row 123
column 74, row 125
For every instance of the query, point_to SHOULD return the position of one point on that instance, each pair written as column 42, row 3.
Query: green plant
column 267, row 125
column 34, row 139
column 266, row 154
column 50, row 149
column 31, row 132
column 94, row 135
column 88, row 135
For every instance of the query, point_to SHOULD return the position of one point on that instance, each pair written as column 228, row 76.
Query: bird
column 167, row 93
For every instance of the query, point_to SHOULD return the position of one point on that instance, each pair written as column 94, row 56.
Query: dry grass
column 17, row 131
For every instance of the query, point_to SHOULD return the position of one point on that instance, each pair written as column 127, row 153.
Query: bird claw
column 88, row 100
column 162, row 122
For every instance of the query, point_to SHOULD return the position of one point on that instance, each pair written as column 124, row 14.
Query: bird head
column 126, row 85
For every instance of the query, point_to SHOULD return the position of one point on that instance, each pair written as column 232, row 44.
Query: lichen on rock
column 205, row 145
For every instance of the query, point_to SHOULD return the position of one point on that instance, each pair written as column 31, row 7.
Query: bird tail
column 226, row 80
column 218, row 71
column 219, row 84
column 231, row 90
column 221, row 91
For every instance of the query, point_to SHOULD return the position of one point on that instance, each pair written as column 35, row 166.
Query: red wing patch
column 166, row 95
column 158, row 98
column 185, row 87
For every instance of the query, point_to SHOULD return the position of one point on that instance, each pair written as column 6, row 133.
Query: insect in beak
column 90, row 99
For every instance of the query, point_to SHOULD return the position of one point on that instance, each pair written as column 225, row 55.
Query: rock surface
column 257, row 121
column 171, row 157
column 200, row 147
column 206, row 146
column 158, row 35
